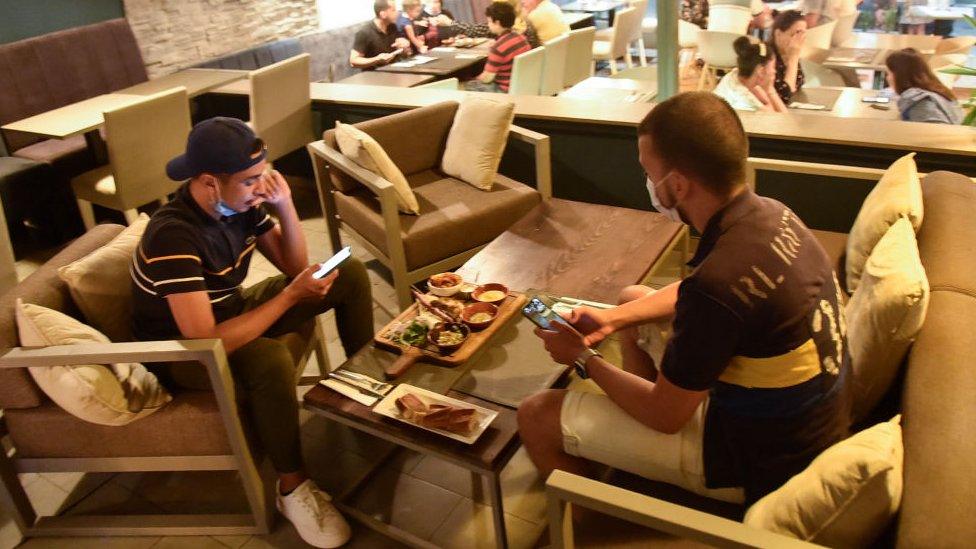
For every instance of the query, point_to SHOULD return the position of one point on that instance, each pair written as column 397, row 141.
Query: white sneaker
column 317, row 521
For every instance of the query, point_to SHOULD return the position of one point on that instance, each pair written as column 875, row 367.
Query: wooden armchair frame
column 563, row 490
column 325, row 158
column 210, row 353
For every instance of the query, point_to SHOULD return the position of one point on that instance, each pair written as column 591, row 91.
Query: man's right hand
column 593, row 323
column 304, row 287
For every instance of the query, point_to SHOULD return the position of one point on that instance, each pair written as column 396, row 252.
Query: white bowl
column 444, row 291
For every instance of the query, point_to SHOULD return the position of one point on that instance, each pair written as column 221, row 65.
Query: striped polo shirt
column 184, row 249
column 502, row 55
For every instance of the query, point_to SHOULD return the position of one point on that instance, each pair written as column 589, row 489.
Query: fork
column 377, row 386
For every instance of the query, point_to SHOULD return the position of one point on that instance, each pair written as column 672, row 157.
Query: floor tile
column 337, row 473
column 46, row 497
column 113, row 499
column 194, row 491
column 118, row 542
column 524, row 489
column 470, row 526
column 450, row 477
column 234, row 542
column 406, row 502
column 189, row 542
column 9, row 533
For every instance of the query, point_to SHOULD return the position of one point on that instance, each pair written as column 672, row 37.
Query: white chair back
column 818, row 39
column 816, row 75
column 554, row 65
column 281, row 105
column 687, row 34
column 527, row 73
column 942, row 61
column 959, row 44
column 446, row 84
column 141, row 138
column 716, row 48
column 844, row 29
column 729, row 18
column 578, row 55
column 637, row 31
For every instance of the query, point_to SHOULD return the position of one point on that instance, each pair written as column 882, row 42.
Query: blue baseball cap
column 217, row 145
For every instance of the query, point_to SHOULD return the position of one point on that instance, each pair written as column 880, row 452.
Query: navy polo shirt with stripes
column 184, row 249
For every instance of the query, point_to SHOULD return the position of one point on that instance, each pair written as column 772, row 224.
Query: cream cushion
column 101, row 286
column 845, row 497
column 114, row 394
column 477, row 140
column 362, row 149
column 897, row 194
column 885, row 314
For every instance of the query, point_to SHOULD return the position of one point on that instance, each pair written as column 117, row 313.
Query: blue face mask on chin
column 224, row 210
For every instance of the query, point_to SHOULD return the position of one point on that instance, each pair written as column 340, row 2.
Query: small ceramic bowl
column 465, row 291
column 435, row 332
column 444, row 284
column 476, row 308
column 490, row 293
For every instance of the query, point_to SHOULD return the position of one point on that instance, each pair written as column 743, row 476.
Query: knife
column 362, row 390
column 359, row 379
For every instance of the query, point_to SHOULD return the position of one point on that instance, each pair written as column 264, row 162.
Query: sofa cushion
column 477, row 140
column 101, row 286
column 885, row 314
column 256, row 57
column 43, row 287
column 69, row 156
column 190, row 425
column 454, row 216
column 845, row 498
column 362, row 149
column 114, row 394
column 897, row 194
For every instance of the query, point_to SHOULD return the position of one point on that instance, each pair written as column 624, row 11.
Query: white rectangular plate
column 387, row 407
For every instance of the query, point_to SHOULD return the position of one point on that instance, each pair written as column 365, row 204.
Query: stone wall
column 174, row 34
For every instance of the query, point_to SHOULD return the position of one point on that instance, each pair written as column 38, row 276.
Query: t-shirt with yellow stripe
column 184, row 249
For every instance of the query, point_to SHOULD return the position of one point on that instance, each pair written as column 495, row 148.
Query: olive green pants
column 264, row 371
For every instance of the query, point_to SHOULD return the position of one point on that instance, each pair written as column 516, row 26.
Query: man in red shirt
column 508, row 44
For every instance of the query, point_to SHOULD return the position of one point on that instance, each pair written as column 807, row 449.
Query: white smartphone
column 333, row 263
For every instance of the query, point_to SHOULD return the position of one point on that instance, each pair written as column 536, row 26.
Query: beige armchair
column 196, row 431
column 456, row 220
column 281, row 105
column 140, row 139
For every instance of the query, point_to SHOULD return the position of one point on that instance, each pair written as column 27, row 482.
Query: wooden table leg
column 497, row 509
column 96, row 145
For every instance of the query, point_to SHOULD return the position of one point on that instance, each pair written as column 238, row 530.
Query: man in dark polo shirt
column 752, row 383
column 377, row 42
column 187, row 276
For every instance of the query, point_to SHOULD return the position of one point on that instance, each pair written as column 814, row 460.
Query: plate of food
column 436, row 413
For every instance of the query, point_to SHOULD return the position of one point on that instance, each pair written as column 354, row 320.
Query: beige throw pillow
column 362, row 149
column 847, row 495
column 477, row 140
column 101, row 286
column 885, row 314
column 898, row 194
column 114, row 394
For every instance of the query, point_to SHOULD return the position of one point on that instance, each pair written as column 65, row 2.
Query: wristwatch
column 580, row 363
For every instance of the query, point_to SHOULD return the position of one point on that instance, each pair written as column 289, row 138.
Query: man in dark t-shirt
column 377, row 42
column 752, row 382
column 187, row 283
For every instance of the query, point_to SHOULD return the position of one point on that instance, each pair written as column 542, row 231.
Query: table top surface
column 196, row 81
column 594, row 6
column 392, row 79
column 848, row 103
column 448, row 61
column 565, row 240
column 871, row 40
column 599, row 88
column 575, row 17
column 855, row 58
column 73, row 119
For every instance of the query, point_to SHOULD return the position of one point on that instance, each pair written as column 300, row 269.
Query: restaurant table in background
column 601, row 88
column 391, row 79
column 447, row 61
column 196, row 81
column 844, row 103
column 595, row 7
column 578, row 20
column 924, row 43
column 859, row 58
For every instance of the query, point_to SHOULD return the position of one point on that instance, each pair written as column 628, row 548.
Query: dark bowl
column 435, row 332
column 475, row 308
column 481, row 290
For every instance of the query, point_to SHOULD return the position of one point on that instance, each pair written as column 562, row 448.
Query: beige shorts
column 596, row 429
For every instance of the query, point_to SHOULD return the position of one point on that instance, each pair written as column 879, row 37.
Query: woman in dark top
column 789, row 31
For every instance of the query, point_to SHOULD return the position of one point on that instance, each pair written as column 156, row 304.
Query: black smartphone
column 539, row 310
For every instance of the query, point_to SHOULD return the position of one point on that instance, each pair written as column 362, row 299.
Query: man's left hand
column 276, row 189
column 562, row 342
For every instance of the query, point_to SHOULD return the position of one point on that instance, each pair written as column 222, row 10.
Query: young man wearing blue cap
column 187, row 277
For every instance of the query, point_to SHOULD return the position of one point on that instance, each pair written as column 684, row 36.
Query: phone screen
column 541, row 314
column 876, row 99
column 333, row 262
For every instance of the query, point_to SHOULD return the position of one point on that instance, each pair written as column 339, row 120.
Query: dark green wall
column 25, row 18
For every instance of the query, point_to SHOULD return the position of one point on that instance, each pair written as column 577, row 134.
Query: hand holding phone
column 333, row 263
column 539, row 310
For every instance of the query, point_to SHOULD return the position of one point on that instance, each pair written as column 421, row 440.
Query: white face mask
column 670, row 213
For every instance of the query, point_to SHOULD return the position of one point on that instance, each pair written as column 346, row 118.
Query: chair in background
column 946, row 60
column 446, row 84
column 818, row 76
column 527, row 73
column 579, row 50
column 637, row 31
column 687, row 45
column 959, row 44
column 729, row 18
column 817, row 42
column 554, row 54
column 618, row 45
column 141, row 138
column 456, row 219
column 844, row 29
column 717, row 52
column 281, row 105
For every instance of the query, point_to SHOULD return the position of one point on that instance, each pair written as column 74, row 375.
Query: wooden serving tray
column 429, row 353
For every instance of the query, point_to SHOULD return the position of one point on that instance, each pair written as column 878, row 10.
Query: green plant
column 970, row 103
